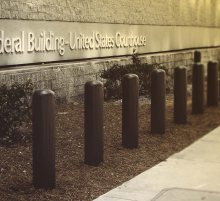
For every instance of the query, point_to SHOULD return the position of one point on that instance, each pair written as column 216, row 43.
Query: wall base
column 67, row 79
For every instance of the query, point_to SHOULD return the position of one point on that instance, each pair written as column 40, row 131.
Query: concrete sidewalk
column 190, row 175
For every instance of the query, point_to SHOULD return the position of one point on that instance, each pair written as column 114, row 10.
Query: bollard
column 198, row 89
column 180, row 95
column 44, row 139
column 197, row 56
column 219, row 89
column 130, row 96
column 93, row 123
column 212, row 83
column 158, row 93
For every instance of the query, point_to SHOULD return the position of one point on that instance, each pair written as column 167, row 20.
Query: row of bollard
column 198, row 84
column 44, row 115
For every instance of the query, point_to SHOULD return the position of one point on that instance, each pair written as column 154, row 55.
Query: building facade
column 62, row 44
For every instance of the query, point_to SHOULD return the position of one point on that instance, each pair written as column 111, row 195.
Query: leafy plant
column 15, row 108
column 113, row 76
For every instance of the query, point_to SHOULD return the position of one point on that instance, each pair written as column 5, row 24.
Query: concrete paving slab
column 127, row 193
column 205, row 151
column 213, row 136
column 173, row 173
column 113, row 199
column 186, row 195
column 195, row 168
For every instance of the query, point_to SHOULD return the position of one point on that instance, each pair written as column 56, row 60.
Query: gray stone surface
column 154, row 12
column 192, row 174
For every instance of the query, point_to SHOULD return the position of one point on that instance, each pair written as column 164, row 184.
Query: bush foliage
column 113, row 76
column 15, row 108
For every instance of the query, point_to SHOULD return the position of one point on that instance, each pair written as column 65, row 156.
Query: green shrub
column 113, row 76
column 15, row 108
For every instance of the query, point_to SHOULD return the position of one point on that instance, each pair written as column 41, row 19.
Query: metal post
column 197, row 56
column 130, row 96
column 93, row 123
column 212, row 83
column 44, row 139
column 158, row 99
column 198, row 89
column 180, row 95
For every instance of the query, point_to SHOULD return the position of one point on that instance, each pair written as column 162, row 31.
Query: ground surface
column 77, row 181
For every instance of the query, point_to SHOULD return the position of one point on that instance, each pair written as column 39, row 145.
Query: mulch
column 77, row 181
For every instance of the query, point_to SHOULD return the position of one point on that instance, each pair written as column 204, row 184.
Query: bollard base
column 93, row 163
column 44, row 186
column 130, row 146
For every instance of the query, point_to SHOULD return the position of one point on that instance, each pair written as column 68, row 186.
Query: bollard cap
column 198, row 64
column 130, row 76
column 197, row 52
column 158, row 71
column 180, row 67
column 213, row 62
column 93, row 83
column 44, row 92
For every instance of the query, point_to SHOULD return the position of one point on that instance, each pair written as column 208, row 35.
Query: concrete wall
column 67, row 79
column 154, row 12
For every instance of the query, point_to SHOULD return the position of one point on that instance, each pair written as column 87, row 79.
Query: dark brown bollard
column 44, row 139
column 93, row 123
column 219, row 89
column 212, row 83
column 198, row 89
column 180, row 95
column 158, row 99
column 130, row 96
column 197, row 56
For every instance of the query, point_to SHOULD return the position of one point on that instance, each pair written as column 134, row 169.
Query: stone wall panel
column 67, row 79
column 154, row 12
